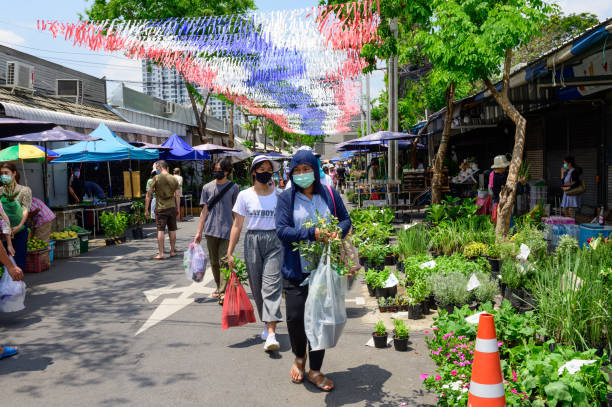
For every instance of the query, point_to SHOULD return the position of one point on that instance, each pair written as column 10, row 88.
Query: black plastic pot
column 380, row 341
column 448, row 308
column 371, row 291
column 494, row 265
column 122, row 239
column 386, row 292
column 415, row 311
column 432, row 302
column 110, row 242
column 474, row 306
column 400, row 266
column 390, row 260
column 362, row 261
column 400, row 344
column 138, row 233
column 425, row 307
column 609, row 399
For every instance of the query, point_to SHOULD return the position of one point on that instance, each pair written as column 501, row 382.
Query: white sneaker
column 264, row 333
column 271, row 343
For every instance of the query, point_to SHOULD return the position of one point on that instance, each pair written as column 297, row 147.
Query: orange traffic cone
column 487, row 387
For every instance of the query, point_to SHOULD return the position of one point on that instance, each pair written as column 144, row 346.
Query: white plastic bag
column 194, row 262
column 325, row 309
column 12, row 293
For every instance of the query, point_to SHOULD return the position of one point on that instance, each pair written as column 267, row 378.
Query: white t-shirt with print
column 258, row 210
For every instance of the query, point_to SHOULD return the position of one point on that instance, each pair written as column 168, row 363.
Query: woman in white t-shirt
column 262, row 248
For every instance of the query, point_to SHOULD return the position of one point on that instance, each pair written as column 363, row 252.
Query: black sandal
column 221, row 298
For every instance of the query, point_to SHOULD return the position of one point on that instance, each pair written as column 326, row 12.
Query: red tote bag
column 237, row 308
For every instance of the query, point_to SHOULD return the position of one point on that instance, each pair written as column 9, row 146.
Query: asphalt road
column 115, row 328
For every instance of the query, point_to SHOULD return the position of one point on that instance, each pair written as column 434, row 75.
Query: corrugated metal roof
column 67, row 119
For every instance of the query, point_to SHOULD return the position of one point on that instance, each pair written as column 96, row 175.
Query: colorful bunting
column 296, row 67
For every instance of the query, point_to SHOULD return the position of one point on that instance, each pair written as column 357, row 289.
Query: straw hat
column 500, row 162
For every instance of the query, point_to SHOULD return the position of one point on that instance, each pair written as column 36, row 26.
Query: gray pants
column 264, row 258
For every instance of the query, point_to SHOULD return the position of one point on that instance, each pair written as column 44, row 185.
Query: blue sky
column 18, row 30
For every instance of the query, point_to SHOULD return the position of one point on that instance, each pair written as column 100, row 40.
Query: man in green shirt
column 166, row 189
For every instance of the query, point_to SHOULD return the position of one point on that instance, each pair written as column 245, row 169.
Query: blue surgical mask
column 157, row 172
column 77, row 174
column 565, row 166
column 304, row 180
column 6, row 179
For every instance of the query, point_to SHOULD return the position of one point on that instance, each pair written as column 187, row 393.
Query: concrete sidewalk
column 79, row 346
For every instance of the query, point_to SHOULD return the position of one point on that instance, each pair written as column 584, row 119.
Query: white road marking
column 169, row 306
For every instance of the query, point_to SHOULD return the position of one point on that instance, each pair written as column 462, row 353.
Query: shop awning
column 73, row 120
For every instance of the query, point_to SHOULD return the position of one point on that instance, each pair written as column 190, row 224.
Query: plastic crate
column 51, row 250
column 84, row 242
column 37, row 261
column 66, row 248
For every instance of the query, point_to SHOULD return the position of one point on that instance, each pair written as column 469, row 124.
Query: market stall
column 109, row 147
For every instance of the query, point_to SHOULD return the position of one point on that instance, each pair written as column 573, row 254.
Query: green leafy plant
column 567, row 246
column 493, row 251
column 487, row 290
column 380, row 329
column 114, row 224
column 450, row 288
column 240, row 270
column 138, row 213
column 475, row 249
column 374, row 253
column 418, row 292
column 401, row 330
column 382, row 302
column 381, row 277
column 371, row 277
column 390, row 301
column 313, row 250
column 413, row 241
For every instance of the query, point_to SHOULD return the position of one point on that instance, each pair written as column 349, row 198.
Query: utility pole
column 368, row 107
column 392, row 73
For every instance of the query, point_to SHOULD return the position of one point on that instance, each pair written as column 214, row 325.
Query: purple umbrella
column 375, row 138
column 10, row 126
column 56, row 134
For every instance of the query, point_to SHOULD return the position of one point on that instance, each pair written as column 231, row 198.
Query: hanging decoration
column 298, row 68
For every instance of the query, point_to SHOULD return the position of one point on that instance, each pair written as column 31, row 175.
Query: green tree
column 477, row 39
column 155, row 9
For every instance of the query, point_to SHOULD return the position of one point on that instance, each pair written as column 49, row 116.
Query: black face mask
column 219, row 175
column 263, row 177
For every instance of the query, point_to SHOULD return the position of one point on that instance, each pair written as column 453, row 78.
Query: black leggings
column 295, row 298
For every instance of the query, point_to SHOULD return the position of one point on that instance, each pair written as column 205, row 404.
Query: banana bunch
column 63, row 235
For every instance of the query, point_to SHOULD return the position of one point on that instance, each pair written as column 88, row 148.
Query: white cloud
column 11, row 38
column 601, row 8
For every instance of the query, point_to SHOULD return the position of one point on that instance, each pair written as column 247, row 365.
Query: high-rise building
column 168, row 84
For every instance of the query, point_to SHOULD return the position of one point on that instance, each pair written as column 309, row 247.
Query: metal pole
column 392, row 72
column 368, row 106
column 46, row 183
column 361, row 110
column 110, row 186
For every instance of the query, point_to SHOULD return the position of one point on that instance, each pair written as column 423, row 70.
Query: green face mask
column 304, row 180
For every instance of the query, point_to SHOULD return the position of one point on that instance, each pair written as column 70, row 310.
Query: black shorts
column 166, row 217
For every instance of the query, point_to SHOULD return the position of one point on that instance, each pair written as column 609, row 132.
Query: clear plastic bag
column 12, row 293
column 325, row 309
column 194, row 262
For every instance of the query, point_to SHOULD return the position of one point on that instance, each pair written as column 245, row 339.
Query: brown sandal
column 295, row 368
column 322, row 382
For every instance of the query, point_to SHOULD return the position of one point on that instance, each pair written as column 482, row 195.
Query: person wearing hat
column 262, row 248
column 500, row 175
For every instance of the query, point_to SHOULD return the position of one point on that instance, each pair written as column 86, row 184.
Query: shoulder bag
column 579, row 190
column 214, row 199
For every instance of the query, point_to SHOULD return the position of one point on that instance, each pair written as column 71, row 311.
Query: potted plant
column 382, row 304
column 391, row 255
column 121, row 222
column 371, row 277
column 107, row 221
column 400, row 337
column 139, row 220
column 374, row 254
column 380, row 335
column 487, row 290
column 391, row 304
column 381, row 279
column 474, row 250
column 450, row 290
column 400, row 303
